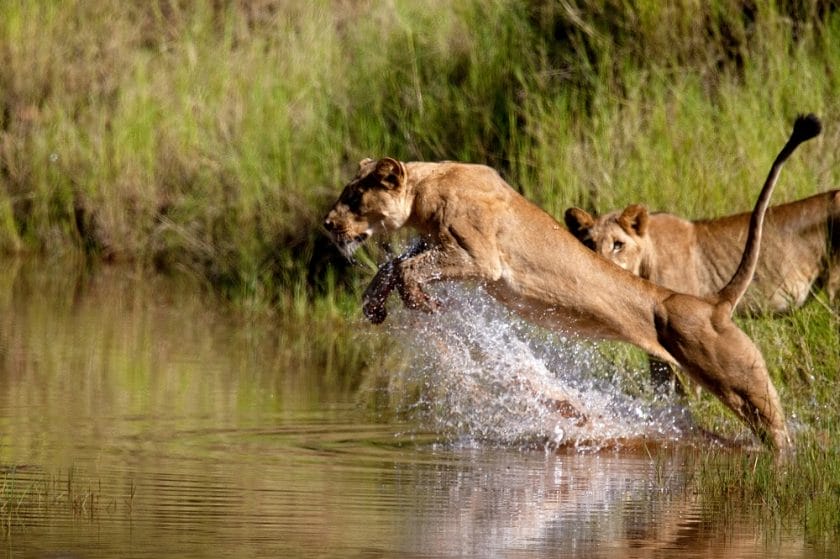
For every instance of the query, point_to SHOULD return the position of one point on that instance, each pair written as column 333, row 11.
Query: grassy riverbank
column 211, row 139
column 207, row 140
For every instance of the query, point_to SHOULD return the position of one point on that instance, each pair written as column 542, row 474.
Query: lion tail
column 805, row 128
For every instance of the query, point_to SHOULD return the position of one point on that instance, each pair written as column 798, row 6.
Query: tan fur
column 800, row 250
column 481, row 229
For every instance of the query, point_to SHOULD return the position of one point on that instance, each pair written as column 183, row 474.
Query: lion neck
column 418, row 171
column 424, row 202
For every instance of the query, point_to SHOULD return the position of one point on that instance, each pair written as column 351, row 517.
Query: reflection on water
column 138, row 419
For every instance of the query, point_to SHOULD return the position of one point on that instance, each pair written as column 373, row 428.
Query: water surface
column 138, row 418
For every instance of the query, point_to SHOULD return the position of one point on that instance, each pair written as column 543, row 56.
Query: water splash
column 481, row 375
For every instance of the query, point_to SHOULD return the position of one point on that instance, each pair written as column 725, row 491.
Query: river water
column 139, row 418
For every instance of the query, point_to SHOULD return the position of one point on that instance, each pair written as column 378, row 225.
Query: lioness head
column 375, row 200
column 620, row 237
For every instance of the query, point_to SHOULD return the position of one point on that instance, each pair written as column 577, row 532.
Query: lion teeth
column 348, row 249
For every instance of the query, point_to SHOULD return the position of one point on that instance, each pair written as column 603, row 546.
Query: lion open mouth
column 348, row 246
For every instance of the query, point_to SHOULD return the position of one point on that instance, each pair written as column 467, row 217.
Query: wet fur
column 479, row 228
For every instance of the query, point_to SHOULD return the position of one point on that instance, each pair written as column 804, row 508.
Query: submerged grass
column 209, row 138
column 799, row 494
column 29, row 497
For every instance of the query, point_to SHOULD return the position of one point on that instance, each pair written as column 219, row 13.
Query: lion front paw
column 376, row 294
column 375, row 311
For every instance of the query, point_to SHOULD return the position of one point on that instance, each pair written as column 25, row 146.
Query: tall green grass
column 211, row 138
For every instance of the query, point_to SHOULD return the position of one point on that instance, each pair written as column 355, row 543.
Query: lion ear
column 579, row 222
column 390, row 172
column 364, row 163
column 634, row 219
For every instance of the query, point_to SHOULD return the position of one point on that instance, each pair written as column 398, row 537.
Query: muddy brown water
column 139, row 419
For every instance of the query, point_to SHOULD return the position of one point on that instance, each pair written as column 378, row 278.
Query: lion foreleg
column 384, row 282
column 832, row 283
column 376, row 294
column 434, row 265
column 716, row 353
column 408, row 274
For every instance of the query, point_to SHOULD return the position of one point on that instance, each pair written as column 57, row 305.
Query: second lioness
column 800, row 250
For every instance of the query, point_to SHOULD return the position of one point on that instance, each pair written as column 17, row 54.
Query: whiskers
column 348, row 248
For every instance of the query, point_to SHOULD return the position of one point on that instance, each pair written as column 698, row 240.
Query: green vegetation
column 209, row 138
column 798, row 495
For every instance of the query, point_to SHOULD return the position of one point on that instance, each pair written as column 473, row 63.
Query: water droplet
column 489, row 377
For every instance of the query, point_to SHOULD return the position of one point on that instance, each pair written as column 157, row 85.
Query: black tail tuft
column 806, row 127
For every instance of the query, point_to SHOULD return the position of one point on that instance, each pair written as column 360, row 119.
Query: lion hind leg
column 723, row 359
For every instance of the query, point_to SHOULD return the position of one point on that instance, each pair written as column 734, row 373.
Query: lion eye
column 618, row 246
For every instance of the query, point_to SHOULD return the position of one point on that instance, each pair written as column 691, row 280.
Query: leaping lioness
column 479, row 228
